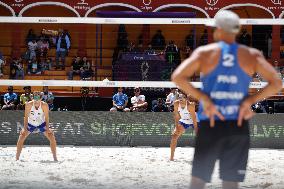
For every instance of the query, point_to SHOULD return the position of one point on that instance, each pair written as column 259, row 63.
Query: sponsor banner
column 128, row 129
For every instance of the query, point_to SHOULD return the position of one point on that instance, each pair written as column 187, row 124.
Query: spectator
column 65, row 108
column 19, row 69
column 158, row 41
column 279, row 69
column 13, row 68
column 190, row 40
column 131, row 47
column 257, row 78
column 50, row 36
column 68, row 34
column 122, row 41
column 26, row 97
column 189, row 43
column 119, row 101
column 48, row 97
column 204, row 38
column 2, row 64
column 43, row 47
column 138, row 101
column 259, row 107
column 62, row 47
column 269, row 44
column 33, row 66
column 87, row 68
column 10, row 99
column 245, row 38
column 172, row 54
column 32, row 46
column 40, row 42
column 46, row 34
column 30, row 36
column 140, row 39
column 134, row 49
column 171, row 98
column 159, row 106
column 76, row 68
column 150, row 50
column 139, row 48
column 29, row 67
column 44, row 64
column 41, row 64
column 48, row 64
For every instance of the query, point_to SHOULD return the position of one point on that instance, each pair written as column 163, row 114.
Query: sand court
column 120, row 167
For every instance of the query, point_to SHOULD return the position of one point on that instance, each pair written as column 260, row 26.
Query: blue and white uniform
column 36, row 119
column 227, row 85
column 185, row 117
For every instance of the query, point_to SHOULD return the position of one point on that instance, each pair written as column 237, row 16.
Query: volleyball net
column 121, row 52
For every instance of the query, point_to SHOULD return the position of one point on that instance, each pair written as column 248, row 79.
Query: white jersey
column 185, row 116
column 36, row 116
column 171, row 98
column 137, row 99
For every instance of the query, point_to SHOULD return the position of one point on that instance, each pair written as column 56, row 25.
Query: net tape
column 95, row 20
column 107, row 83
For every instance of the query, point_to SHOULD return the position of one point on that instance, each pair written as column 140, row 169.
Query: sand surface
column 127, row 168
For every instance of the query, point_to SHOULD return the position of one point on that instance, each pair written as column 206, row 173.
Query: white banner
column 94, row 20
column 106, row 83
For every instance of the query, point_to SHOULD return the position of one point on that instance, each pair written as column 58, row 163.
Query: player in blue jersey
column 226, row 69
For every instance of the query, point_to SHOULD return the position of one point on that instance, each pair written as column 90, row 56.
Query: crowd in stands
column 157, row 46
column 139, row 103
column 13, row 101
column 173, row 54
column 120, row 101
column 36, row 55
column 36, row 59
column 158, row 43
column 82, row 67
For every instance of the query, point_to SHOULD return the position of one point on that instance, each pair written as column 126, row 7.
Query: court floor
column 120, row 167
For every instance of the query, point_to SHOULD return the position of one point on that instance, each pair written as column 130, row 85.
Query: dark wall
column 128, row 129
